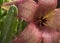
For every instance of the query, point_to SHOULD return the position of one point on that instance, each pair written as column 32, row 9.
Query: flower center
column 36, row 1
column 41, row 21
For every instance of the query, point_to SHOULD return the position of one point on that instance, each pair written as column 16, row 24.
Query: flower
column 43, row 21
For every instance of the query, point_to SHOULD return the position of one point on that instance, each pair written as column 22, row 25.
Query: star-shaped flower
column 43, row 21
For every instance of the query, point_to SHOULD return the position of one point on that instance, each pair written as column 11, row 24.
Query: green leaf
column 7, row 0
column 1, row 2
column 6, row 28
column 0, row 10
column 21, row 25
column 12, row 31
column 3, row 14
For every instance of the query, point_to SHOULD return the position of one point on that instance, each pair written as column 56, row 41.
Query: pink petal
column 46, row 6
column 51, row 37
column 27, row 10
column 57, row 19
column 54, row 21
column 31, row 34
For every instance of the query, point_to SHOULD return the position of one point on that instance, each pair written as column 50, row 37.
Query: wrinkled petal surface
column 46, row 6
column 54, row 21
column 27, row 10
column 51, row 37
column 31, row 34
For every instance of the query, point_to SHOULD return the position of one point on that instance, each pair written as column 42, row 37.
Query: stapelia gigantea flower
column 43, row 21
